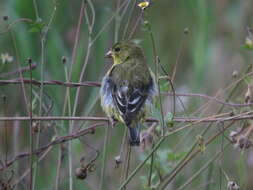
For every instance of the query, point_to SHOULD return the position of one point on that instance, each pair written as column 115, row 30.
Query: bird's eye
column 117, row 49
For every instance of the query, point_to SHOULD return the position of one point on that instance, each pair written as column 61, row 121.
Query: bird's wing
column 129, row 101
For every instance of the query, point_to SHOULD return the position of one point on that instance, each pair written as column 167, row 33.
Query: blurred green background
column 205, row 39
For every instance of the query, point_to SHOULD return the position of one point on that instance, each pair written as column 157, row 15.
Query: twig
column 142, row 163
column 57, row 140
column 23, row 69
column 209, row 119
column 30, row 128
column 204, row 167
column 97, row 84
column 169, row 177
column 15, row 22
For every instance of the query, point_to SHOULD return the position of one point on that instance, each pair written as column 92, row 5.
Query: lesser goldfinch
column 128, row 88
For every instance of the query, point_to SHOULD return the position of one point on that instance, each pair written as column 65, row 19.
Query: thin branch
column 57, row 140
column 15, row 22
column 209, row 119
column 23, row 69
column 98, row 84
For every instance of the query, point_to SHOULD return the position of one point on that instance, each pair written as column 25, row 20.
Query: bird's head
column 122, row 51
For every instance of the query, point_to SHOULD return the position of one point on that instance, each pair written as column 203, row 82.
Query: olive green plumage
column 128, row 88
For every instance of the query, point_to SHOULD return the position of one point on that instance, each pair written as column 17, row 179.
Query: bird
column 128, row 88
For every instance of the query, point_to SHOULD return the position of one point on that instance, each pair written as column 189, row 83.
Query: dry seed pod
column 80, row 173
column 5, row 18
column 235, row 74
column 243, row 142
column 35, row 127
column 146, row 139
column 186, row 31
column 232, row 136
column 118, row 161
column 232, row 185
column 63, row 59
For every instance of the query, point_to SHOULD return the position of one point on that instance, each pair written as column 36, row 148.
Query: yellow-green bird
column 128, row 88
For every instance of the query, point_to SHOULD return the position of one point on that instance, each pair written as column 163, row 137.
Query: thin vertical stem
column 43, row 41
column 5, row 141
column 135, row 25
column 40, row 103
column 158, row 144
column 128, row 19
column 151, row 168
column 30, row 129
column 35, row 5
column 102, row 178
column 117, row 23
column 124, row 158
column 128, row 158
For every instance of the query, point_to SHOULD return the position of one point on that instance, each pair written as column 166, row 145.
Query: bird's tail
column 134, row 131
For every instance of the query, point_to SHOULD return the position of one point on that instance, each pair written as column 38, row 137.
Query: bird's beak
column 108, row 54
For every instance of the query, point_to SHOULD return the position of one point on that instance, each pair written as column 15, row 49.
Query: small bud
column 201, row 143
column 146, row 139
column 63, row 59
column 118, row 161
column 235, row 74
column 249, row 43
column 29, row 60
column 186, row 31
column 5, row 18
column 80, row 173
column 35, row 127
column 247, row 96
column 232, row 185
column 145, row 22
column 92, row 131
column 232, row 113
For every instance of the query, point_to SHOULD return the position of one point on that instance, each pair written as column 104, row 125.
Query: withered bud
column 118, row 161
column 63, row 59
column 243, row 142
column 92, row 131
column 231, row 113
column 232, row 185
column 29, row 60
column 35, row 127
column 235, row 74
column 146, row 139
column 5, row 18
column 247, row 96
column 186, row 31
column 80, row 173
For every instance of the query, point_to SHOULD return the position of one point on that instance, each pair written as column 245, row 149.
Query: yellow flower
column 143, row 4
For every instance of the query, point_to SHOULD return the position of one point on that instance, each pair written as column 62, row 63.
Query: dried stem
column 55, row 141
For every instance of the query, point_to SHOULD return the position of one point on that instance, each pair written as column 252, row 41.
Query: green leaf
column 36, row 26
